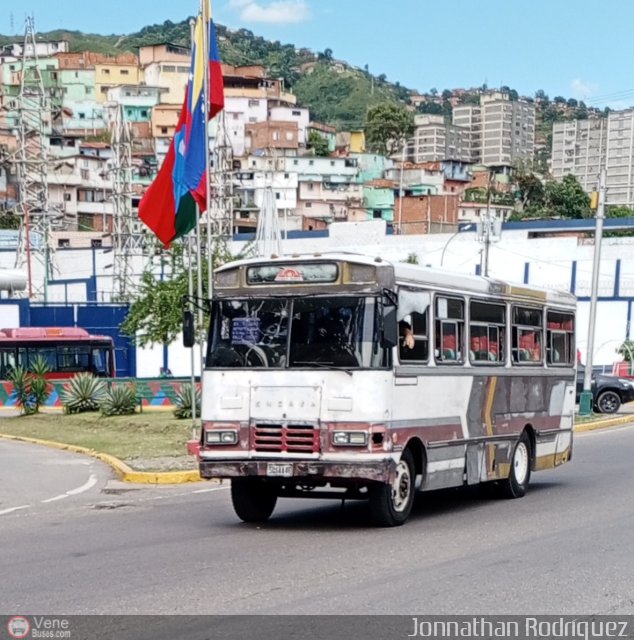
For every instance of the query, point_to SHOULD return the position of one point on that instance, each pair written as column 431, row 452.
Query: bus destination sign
column 293, row 274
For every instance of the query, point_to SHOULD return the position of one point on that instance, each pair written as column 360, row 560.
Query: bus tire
column 253, row 499
column 516, row 484
column 391, row 504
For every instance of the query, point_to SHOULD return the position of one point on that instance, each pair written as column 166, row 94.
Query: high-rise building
column 579, row 148
column 436, row 140
column 502, row 131
column 583, row 147
column 619, row 159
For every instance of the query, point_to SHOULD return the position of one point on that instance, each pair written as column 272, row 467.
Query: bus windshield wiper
column 322, row 365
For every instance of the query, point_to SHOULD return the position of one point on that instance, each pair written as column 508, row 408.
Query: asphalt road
column 564, row 548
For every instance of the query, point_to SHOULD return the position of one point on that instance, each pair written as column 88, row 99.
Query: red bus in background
column 67, row 350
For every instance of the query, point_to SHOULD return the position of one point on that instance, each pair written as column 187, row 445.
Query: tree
column 318, row 144
column 433, row 91
column 541, row 95
column 559, row 100
column 567, row 199
column 387, row 127
column 447, row 94
column 8, row 220
column 326, row 55
column 572, row 103
column 430, row 107
column 155, row 317
column 530, row 191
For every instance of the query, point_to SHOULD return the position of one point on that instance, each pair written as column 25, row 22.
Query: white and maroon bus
column 344, row 376
column 66, row 350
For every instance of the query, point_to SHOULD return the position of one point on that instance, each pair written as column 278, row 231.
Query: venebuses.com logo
column 18, row 627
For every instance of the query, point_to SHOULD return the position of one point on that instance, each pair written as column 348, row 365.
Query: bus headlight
column 221, row 437
column 350, row 438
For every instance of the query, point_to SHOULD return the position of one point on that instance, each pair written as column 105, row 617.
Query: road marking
column 64, row 495
column 210, row 490
column 12, row 509
column 89, row 484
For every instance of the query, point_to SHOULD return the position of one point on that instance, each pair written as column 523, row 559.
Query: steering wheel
column 259, row 356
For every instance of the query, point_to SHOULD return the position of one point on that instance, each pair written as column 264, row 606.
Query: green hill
column 335, row 92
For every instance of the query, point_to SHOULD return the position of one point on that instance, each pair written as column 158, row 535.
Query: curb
column 125, row 473
column 603, row 424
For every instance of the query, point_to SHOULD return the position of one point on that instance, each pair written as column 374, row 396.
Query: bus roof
column 49, row 334
column 405, row 273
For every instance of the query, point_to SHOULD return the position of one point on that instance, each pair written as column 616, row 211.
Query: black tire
column 516, row 484
column 608, row 402
column 253, row 499
column 391, row 504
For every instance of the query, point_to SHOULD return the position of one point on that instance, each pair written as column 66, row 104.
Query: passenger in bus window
column 406, row 333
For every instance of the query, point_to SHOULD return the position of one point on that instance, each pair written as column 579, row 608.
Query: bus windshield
column 280, row 333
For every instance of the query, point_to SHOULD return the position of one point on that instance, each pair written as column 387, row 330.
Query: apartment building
column 583, row 147
column 166, row 65
column 502, row 131
column 434, row 139
column 619, row 158
column 108, row 75
column 469, row 118
column 579, row 148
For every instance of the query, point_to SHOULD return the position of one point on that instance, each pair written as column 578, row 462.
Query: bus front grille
column 285, row 438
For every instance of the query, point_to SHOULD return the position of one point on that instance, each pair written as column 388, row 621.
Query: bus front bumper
column 382, row 470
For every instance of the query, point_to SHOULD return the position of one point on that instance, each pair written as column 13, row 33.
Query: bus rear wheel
column 391, row 504
column 516, row 484
column 253, row 499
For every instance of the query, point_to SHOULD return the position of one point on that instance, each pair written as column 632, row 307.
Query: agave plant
column 120, row 400
column 183, row 409
column 83, row 393
column 31, row 386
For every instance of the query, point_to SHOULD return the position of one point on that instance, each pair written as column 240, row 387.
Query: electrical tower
column 37, row 217
column 221, row 182
column 125, row 242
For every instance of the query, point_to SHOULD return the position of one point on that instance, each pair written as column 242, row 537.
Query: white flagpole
column 206, row 7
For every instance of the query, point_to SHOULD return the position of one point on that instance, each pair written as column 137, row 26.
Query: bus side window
column 418, row 325
column 7, row 362
column 450, row 346
column 527, row 335
column 560, row 338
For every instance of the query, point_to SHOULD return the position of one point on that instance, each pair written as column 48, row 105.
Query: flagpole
column 206, row 7
column 191, row 285
column 191, row 308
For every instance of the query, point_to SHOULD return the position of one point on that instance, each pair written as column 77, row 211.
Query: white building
column 578, row 148
column 583, row 147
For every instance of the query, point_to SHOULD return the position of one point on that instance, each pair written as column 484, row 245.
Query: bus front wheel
column 391, row 504
column 253, row 499
column 520, row 472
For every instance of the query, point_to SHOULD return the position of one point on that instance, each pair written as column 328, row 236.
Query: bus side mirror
column 188, row 329
column 389, row 337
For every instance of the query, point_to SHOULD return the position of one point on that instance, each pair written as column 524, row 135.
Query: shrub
column 32, row 389
column 83, row 393
column 120, row 400
column 183, row 409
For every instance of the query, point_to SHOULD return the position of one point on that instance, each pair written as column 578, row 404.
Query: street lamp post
column 467, row 227
column 585, row 400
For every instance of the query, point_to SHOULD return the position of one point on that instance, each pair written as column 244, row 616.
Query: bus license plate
column 279, row 470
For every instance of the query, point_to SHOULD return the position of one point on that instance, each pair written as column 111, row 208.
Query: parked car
column 608, row 392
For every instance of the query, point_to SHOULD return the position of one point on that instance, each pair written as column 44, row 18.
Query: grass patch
column 143, row 437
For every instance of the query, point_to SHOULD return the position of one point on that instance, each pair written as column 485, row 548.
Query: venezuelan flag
column 168, row 207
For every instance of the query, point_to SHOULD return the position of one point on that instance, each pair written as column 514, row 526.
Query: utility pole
column 598, row 203
column 487, row 231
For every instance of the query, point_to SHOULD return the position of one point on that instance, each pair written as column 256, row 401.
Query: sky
column 573, row 48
